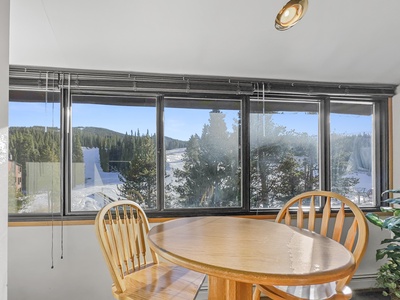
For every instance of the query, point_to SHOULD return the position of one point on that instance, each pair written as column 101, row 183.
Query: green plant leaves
column 392, row 223
column 388, row 276
column 396, row 191
column 374, row 219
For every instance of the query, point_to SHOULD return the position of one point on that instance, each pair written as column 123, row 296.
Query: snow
column 174, row 160
column 89, row 196
column 100, row 187
column 98, row 183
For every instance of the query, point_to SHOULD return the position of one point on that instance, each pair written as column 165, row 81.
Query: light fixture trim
column 290, row 14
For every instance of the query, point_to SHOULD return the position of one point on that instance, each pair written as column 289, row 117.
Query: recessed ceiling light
column 290, row 14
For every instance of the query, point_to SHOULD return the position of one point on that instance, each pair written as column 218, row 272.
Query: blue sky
column 179, row 123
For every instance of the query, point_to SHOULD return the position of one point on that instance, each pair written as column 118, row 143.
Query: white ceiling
column 353, row 41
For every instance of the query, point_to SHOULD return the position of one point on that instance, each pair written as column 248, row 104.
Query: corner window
column 34, row 153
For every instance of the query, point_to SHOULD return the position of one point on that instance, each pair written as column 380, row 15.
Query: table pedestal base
column 223, row 289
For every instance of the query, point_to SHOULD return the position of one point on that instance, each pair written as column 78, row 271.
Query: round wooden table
column 237, row 252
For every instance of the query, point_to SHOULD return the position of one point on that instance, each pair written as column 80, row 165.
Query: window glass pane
column 113, row 151
column 352, row 164
column 203, row 164
column 34, row 152
column 283, row 151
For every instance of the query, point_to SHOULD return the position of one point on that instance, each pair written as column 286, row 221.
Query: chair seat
column 310, row 292
column 161, row 281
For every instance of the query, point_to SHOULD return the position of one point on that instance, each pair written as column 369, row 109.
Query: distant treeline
column 34, row 144
column 42, row 144
column 117, row 149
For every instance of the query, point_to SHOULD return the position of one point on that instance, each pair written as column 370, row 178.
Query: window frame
column 284, row 92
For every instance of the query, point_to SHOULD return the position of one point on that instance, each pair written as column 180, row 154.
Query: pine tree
column 210, row 173
column 140, row 176
column 191, row 184
column 77, row 153
column 267, row 146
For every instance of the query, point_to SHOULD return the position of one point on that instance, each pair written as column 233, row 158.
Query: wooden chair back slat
column 121, row 244
column 351, row 236
column 300, row 215
column 339, row 223
column 288, row 218
column 326, row 215
column 132, row 238
column 312, row 215
column 114, row 244
column 129, row 234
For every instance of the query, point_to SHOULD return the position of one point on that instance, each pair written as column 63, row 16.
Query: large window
column 283, row 151
column 202, row 167
column 78, row 144
column 113, row 151
column 352, row 151
column 34, row 153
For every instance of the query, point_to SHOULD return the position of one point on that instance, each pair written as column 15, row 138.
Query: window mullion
column 324, row 144
column 160, row 153
column 245, row 152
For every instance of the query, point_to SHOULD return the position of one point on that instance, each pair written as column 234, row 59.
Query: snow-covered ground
column 88, row 196
column 99, row 187
column 174, row 160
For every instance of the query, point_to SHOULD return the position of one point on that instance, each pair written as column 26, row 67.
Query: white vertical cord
column 45, row 105
column 67, row 124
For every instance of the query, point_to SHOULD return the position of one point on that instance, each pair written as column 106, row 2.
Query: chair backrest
column 303, row 209
column 121, row 229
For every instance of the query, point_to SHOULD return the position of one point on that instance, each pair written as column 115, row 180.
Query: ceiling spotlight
column 290, row 14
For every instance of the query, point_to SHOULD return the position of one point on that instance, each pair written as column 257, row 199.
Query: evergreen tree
column 341, row 153
column 290, row 176
column 191, row 184
column 209, row 176
column 77, row 153
column 267, row 146
column 141, row 173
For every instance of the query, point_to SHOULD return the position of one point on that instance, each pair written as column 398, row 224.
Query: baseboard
column 363, row 282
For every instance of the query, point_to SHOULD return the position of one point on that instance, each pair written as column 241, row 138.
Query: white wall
column 82, row 274
column 4, row 46
column 396, row 139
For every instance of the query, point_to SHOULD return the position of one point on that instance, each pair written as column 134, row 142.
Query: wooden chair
column 121, row 229
column 301, row 211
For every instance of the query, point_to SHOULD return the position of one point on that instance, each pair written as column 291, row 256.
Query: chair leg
column 256, row 294
column 345, row 294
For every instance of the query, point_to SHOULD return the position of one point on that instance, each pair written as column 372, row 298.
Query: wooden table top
column 251, row 251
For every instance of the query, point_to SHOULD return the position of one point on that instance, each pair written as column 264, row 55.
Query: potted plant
column 388, row 277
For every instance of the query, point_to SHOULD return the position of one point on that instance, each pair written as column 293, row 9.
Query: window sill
column 151, row 220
